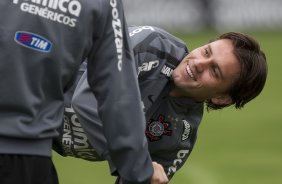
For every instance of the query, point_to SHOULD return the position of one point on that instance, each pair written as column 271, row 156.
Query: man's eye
column 215, row 71
column 206, row 52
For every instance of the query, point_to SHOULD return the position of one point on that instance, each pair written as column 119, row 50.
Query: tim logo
column 33, row 41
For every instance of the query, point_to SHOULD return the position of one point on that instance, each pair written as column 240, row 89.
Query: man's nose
column 201, row 64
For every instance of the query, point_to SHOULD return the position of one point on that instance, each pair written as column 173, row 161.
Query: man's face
column 207, row 71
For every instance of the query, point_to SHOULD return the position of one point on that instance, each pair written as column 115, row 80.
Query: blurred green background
column 233, row 146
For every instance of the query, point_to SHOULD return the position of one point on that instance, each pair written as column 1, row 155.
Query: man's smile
column 190, row 73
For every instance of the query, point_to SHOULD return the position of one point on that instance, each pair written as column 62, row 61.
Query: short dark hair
column 253, row 73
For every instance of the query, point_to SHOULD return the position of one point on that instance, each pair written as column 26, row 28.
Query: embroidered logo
column 155, row 129
column 139, row 29
column 181, row 154
column 148, row 66
column 33, row 41
column 166, row 70
column 186, row 130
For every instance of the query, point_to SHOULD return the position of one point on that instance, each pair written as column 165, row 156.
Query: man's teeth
column 189, row 71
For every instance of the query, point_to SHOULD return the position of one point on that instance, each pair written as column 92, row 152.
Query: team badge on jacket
column 155, row 129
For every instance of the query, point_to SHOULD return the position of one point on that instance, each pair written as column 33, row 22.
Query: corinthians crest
column 155, row 129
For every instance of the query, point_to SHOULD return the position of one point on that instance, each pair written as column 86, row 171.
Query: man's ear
column 222, row 100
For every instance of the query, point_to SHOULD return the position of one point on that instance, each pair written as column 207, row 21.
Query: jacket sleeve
column 172, row 161
column 112, row 78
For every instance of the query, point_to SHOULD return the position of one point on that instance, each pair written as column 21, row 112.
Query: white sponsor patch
column 167, row 71
column 148, row 66
column 140, row 29
column 181, row 154
column 186, row 131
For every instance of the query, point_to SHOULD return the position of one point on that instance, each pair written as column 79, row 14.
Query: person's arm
column 112, row 78
column 172, row 160
column 159, row 176
column 176, row 162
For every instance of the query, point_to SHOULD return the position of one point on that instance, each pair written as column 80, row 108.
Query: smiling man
column 230, row 70
column 207, row 73
column 174, row 86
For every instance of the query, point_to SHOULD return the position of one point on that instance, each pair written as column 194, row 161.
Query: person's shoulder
column 141, row 30
column 146, row 30
column 149, row 33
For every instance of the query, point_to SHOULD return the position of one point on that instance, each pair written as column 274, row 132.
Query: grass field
column 233, row 147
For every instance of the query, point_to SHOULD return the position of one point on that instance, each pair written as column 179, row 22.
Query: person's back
column 41, row 50
column 42, row 45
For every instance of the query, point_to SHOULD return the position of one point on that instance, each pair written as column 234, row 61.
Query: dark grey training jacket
column 42, row 45
column 171, row 123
